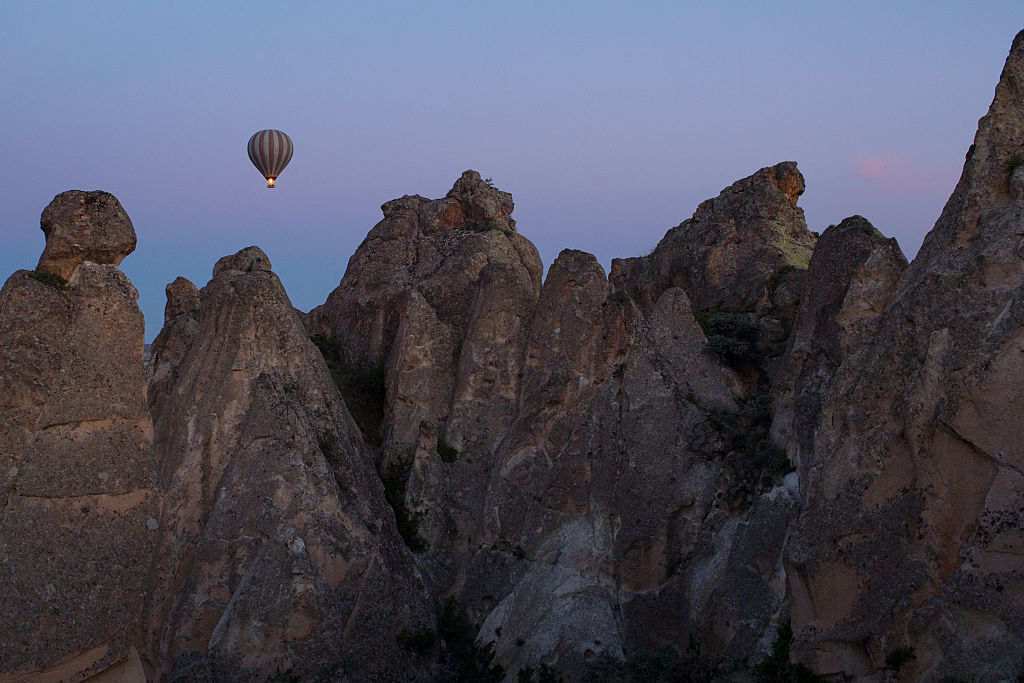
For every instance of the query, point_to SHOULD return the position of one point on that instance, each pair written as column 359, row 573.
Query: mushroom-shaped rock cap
column 245, row 261
column 84, row 226
column 182, row 297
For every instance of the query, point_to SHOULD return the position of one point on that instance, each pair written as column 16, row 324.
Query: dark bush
column 421, row 642
column 447, row 453
column 776, row 667
column 52, row 279
column 663, row 665
column 895, row 659
column 733, row 337
column 395, row 477
column 460, row 655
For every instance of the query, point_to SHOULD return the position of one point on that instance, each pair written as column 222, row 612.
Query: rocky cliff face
column 79, row 507
column 277, row 551
column 593, row 474
column 913, row 484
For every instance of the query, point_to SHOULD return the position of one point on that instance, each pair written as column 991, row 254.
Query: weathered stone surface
column 847, row 288
column 277, row 549
column 78, row 493
column 182, row 297
column 611, row 534
column 437, row 247
column 440, row 297
column 910, row 533
column 729, row 251
column 84, row 226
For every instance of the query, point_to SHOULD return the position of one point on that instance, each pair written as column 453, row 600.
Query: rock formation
column 911, row 535
column 79, row 506
column 277, row 551
column 604, row 476
column 732, row 251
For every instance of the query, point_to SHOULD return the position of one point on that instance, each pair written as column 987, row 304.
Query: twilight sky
column 608, row 122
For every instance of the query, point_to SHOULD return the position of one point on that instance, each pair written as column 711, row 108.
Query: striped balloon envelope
column 270, row 151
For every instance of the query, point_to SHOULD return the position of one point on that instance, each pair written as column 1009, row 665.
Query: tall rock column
column 278, row 552
column 78, row 495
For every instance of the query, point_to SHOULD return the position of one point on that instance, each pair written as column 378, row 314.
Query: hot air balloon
column 270, row 151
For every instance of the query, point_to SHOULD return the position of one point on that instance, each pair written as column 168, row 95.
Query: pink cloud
column 898, row 173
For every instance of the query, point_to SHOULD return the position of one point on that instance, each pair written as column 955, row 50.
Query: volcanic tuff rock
column 77, row 484
column 729, row 251
column 603, row 524
column 847, row 288
column 911, row 533
column 586, row 465
column 277, row 549
column 84, row 226
column 528, row 425
column 437, row 300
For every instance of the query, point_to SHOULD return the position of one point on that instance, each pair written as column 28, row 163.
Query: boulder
column 84, row 226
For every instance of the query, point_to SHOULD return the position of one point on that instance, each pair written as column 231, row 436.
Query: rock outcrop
column 525, row 426
column 604, row 526
column 593, row 475
column 910, row 536
column 84, row 226
column 79, row 503
column 739, row 250
column 846, row 290
column 278, row 552
column 437, row 302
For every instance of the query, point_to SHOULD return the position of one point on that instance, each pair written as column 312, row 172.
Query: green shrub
column 776, row 278
column 621, row 296
column 755, row 464
column 703, row 315
column 52, row 279
column 733, row 337
column 776, row 667
column 447, row 453
column 395, row 477
column 662, row 665
column 460, row 655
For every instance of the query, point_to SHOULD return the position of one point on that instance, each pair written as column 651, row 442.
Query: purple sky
column 607, row 123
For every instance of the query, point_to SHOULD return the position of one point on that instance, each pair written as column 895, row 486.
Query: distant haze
column 608, row 124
